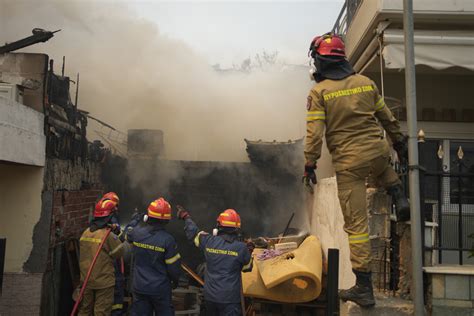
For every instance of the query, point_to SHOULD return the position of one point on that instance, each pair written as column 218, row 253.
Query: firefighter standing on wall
column 99, row 293
column 226, row 258
column 350, row 108
column 157, row 262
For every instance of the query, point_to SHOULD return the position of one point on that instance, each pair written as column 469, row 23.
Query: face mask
column 312, row 68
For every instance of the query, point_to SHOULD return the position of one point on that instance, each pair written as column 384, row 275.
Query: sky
column 227, row 32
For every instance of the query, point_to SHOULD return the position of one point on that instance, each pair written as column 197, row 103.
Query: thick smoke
column 134, row 77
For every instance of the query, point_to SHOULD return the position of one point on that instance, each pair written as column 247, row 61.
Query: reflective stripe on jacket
column 103, row 274
column 157, row 260
column 226, row 259
column 350, row 110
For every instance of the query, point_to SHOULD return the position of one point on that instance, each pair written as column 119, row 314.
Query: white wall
column 20, row 209
column 326, row 220
column 22, row 136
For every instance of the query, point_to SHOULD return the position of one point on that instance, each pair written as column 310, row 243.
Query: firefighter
column 99, row 292
column 157, row 263
column 350, row 108
column 226, row 257
column 117, row 307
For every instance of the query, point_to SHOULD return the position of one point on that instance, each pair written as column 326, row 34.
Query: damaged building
column 52, row 176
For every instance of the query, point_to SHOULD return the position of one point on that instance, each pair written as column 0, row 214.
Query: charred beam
column 39, row 35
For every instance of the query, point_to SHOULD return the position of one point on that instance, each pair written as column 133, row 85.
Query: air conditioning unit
column 11, row 92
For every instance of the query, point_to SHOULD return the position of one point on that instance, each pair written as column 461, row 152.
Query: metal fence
column 346, row 15
column 447, row 205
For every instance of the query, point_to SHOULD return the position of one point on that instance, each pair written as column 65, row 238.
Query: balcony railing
column 346, row 15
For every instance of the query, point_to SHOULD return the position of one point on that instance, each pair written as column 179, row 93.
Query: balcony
column 362, row 22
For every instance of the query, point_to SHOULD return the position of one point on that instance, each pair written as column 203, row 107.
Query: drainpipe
column 414, row 180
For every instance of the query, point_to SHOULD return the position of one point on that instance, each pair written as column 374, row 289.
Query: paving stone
column 385, row 306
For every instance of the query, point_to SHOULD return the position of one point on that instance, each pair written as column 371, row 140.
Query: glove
column 182, row 213
column 250, row 246
column 309, row 173
column 401, row 147
column 309, row 176
column 136, row 216
column 115, row 228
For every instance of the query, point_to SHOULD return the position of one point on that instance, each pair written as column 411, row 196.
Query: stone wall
column 452, row 293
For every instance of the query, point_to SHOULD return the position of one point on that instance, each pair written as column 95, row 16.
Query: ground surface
column 386, row 306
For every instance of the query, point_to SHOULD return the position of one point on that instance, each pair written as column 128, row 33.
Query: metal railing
column 346, row 16
column 447, row 206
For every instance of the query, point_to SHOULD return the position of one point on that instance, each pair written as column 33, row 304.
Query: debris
column 268, row 254
column 39, row 35
column 192, row 274
column 286, row 246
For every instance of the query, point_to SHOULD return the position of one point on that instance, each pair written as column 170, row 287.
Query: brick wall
column 71, row 211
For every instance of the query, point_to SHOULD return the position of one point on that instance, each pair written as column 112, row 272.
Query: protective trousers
column 223, row 309
column 97, row 302
column 117, row 307
column 351, row 184
column 146, row 305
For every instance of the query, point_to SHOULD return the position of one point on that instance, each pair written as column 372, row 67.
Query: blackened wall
column 264, row 197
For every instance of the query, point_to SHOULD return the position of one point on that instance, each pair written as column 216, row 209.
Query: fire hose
column 88, row 275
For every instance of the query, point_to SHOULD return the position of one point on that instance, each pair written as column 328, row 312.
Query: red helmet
column 104, row 208
column 111, row 196
column 159, row 209
column 327, row 45
column 229, row 218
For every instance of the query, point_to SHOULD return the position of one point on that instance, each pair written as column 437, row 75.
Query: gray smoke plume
column 134, row 77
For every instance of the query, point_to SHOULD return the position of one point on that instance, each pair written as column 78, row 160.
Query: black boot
column 402, row 208
column 362, row 293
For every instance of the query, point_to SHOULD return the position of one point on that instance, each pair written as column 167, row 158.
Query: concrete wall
column 326, row 220
column 20, row 209
column 22, row 130
column 21, row 294
column 27, row 70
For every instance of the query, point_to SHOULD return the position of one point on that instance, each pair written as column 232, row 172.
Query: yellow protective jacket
column 351, row 110
column 103, row 274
